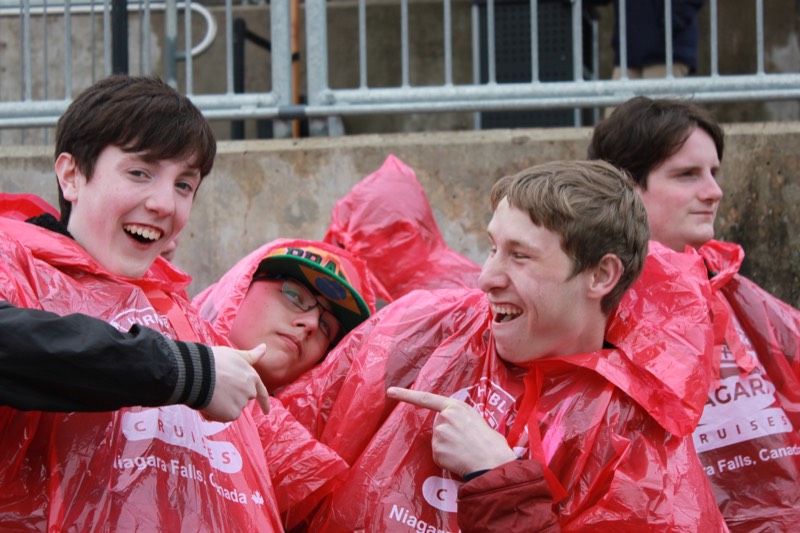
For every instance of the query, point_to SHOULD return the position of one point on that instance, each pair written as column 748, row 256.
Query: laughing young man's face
column 538, row 309
column 130, row 210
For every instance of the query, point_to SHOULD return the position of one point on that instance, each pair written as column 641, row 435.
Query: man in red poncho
column 560, row 409
column 299, row 298
column 747, row 439
column 131, row 153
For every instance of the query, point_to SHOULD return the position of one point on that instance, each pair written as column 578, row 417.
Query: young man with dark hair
column 131, row 153
column 559, row 396
column 668, row 147
column 747, row 438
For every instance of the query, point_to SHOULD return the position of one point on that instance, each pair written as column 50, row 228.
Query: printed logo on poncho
column 495, row 404
column 148, row 317
column 180, row 426
column 741, row 408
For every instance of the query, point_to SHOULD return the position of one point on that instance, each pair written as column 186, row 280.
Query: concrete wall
column 260, row 190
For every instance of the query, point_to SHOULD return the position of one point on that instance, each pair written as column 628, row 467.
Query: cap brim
column 347, row 305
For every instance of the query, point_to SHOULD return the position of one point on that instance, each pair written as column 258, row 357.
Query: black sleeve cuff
column 196, row 374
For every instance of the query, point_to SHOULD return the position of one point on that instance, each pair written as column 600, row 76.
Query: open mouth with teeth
column 142, row 234
column 505, row 313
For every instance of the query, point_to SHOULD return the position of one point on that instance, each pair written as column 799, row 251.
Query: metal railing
column 581, row 91
column 485, row 93
column 43, row 109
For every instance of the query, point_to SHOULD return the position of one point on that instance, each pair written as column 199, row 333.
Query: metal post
column 239, row 30
column 171, row 37
column 119, row 36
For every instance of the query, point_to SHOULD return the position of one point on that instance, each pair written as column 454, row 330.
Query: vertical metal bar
column 534, row 40
column 146, row 48
column 595, row 62
column 760, row 35
column 187, row 46
column 577, row 52
column 577, row 41
column 668, row 36
column 119, row 36
column 45, row 70
column 67, row 50
column 448, row 45
column 714, row 38
column 138, row 7
column 622, row 17
column 316, row 59
column 107, row 37
column 26, row 78
column 476, row 55
column 316, row 49
column 171, row 48
column 231, row 45
column 404, row 42
column 362, row 44
column 282, row 64
column 92, row 21
column 294, row 49
column 595, row 49
column 26, row 91
column 490, row 42
column 239, row 28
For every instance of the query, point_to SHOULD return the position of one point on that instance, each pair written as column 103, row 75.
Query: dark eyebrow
column 691, row 168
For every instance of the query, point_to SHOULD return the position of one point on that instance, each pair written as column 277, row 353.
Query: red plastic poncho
column 748, row 438
column 613, row 425
column 387, row 221
column 302, row 469
column 142, row 469
column 23, row 206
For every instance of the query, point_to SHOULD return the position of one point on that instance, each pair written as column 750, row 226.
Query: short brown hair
column 642, row 133
column 594, row 209
column 137, row 114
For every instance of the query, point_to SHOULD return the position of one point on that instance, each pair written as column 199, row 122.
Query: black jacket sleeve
column 80, row 363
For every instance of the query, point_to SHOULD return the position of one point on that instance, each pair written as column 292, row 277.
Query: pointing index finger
column 424, row 399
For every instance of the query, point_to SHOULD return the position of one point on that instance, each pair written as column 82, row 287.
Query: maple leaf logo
column 257, row 498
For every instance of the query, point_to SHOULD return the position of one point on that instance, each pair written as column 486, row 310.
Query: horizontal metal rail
column 454, row 98
column 543, row 95
column 484, row 94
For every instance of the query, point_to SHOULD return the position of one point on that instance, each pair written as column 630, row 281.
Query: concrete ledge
column 261, row 190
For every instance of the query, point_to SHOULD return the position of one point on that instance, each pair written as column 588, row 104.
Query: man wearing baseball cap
column 298, row 297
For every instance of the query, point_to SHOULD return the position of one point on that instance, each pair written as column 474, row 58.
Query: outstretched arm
column 80, row 363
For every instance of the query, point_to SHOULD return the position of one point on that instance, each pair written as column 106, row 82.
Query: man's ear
column 605, row 276
column 68, row 176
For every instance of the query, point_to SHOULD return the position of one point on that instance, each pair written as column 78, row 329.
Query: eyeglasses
column 304, row 299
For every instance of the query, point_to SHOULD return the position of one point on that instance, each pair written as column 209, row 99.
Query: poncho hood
column 387, row 221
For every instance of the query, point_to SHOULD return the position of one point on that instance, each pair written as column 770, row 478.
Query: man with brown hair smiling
column 549, row 403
